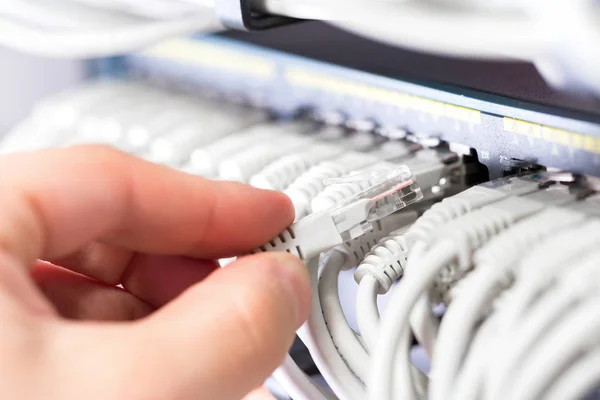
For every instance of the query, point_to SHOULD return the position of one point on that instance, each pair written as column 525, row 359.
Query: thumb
column 218, row 340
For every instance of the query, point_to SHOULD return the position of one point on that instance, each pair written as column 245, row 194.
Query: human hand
column 181, row 328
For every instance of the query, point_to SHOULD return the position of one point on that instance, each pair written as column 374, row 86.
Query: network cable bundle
column 493, row 254
column 447, row 209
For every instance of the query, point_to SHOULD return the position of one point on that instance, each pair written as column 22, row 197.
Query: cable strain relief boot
column 385, row 262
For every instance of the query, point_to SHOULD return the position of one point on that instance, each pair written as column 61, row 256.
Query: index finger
column 54, row 202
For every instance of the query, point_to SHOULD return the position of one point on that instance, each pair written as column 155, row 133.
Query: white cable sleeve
column 395, row 336
column 576, row 283
column 205, row 161
column 310, row 183
column 456, row 239
column 281, row 173
column 457, row 326
column 99, row 42
column 107, row 123
column 307, row 239
column 424, row 324
column 176, row 147
column 251, row 160
column 579, row 380
column 316, row 337
column 470, row 380
column 536, row 271
column 450, row 208
column 367, row 312
column 342, row 335
column 56, row 120
column 385, row 262
column 159, row 9
column 552, row 354
column 296, row 384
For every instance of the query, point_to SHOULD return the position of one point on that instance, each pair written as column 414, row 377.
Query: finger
column 259, row 394
column 63, row 199
column 153, row 278
column 159, row 279
column 220, row 351
column 75, row 296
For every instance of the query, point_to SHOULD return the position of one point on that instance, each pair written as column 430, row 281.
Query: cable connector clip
column 388, row 188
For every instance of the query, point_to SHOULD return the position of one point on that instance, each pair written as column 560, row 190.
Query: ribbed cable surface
column 334, row 194
column 309, row 184
column 251, row 160
column 506, row 249
column 205, row 161
column 282, row 172
column 385, row 262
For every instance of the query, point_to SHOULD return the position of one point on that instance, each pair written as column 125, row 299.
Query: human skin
column 180, row 327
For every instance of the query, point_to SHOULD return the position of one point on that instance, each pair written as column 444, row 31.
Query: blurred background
column 25, row 79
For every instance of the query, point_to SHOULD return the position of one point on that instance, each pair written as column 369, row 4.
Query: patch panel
column 506, row 132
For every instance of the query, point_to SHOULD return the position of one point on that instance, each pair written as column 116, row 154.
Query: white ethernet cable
column 110, row 126
column 69, row 29
column 297, row 385
column 176, row 147
column 434, row 178
column 205, row 161
column 548, row 359
column 281, row 173
column 53, row 120
column 378, row 270
column 93, row 123
column 308, row 185
column 549, row 258
column 576, row 285
column 431, row 172
column 319, row 232
column 423, row 322
column 454, row 242
column 578, row 380
column 492, row 274
column 344, row 338
column 178, row 112
column 469, row 381
column 434, row 175
column 288, row 167
column 251, row 160
column 159, row 9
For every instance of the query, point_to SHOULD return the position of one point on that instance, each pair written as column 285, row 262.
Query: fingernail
column 293, row 276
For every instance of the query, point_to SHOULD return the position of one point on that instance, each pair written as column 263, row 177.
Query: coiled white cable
column 251, row 160
column 552, row 352
column 549, row 257
column 205, row 161
column 281, row 173
column 493, row 265
column 367, row 312
column 310, row 183
column 176, row 147
column 578, row 380
column 458, row 239
column 469, row 382
column 341, row 334
column 54, row 121
column 297, row 385
column 576, row 285
column 423, row 321
column 344, row 257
